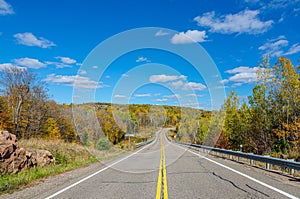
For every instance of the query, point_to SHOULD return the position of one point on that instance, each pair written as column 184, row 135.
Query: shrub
column 102, row 144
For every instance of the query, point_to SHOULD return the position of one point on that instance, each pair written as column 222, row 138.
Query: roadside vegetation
column 267, row 122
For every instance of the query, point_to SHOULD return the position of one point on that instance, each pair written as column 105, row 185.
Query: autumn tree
column 25, row 97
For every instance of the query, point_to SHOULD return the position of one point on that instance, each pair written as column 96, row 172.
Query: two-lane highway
column 163, row 169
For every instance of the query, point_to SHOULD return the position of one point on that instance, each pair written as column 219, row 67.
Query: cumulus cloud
column 142, row 59
column 165, row 78
column 190, row 36
column 5, row 66
column 28, row 39
column 5, row 8
column 242, row 69
column 161, row 33
column 224, row 81
column 194, row 86
column 82, row 72
column 161, row 100
column 193, row 95
column 177, row 84
column 29, row 63
column 143, row 95
column 243, row 74
column 66, row 60
column 120, row 96
column 177, row 96
column 74, row 81
column 246, row 21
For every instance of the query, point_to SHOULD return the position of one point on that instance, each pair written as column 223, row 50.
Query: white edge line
column 242, row 174
column 97, row 172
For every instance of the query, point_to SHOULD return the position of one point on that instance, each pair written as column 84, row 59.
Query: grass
column 68, row 156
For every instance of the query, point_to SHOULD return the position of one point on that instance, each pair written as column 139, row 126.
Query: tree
column 51, row 129
column 25, row 97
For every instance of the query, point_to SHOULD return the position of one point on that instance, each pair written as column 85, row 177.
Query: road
column 165, row 169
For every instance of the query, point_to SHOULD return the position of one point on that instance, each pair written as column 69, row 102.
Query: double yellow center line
column 162, row 175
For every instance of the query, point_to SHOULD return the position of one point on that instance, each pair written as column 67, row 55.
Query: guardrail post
column 240, row 159
column 230, row 157
column 292, row 171
column 268, row 166
column 251, row 162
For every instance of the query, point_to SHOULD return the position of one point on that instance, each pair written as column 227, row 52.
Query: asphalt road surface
column 164, row 169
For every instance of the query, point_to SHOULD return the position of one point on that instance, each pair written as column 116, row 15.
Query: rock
column 14, row 159
column 43, row 157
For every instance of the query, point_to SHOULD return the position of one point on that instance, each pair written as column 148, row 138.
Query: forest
column 267, row 122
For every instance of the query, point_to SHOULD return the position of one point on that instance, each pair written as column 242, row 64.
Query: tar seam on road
column 97, row 172
column 242, row 174
column 162, row 175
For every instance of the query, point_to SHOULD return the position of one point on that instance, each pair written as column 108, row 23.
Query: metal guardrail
column 268, row 160
column 140, row 144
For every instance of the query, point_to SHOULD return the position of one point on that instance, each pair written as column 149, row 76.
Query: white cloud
column 9, row 66
column 242, row 69
column 143, row 95
column 280, row 4
column 5, row 8
column 190, row 36
column 28, row 39
column 246, row 21
column 243, row 74
column 66, row 60
column 161, row 100
column 74, row 81
column 107, row 76
column 58, row 64
column 157, row 94
column 165, row 78
column 244, row 78
column 161, row 33
column 120, row 96
column 224, row 81
column 177, row 84
column 142, row 59
column 274, row 47
column 193, row 95
column 125, row 75
column 177, row 96
column 82, row 72
column 95, row 67
column 29, row 63
column 293, row 49
column 194, row 86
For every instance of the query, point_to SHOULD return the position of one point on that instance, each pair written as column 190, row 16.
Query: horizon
column 57, row 41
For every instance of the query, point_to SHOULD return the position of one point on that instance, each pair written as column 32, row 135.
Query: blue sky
column 54, row 38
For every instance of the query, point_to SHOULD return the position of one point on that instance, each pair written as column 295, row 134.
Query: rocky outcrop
column 14, row 159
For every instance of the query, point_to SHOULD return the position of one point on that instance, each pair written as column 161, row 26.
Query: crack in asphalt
column 233, row 184
column 257, row 191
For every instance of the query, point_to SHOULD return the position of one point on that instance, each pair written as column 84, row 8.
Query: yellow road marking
column 165, row 175
column 162, row 175
column 159, row 180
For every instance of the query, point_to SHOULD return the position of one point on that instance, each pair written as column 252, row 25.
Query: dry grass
column 68, row 156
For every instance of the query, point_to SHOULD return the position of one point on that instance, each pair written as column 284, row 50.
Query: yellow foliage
column 51, row 129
